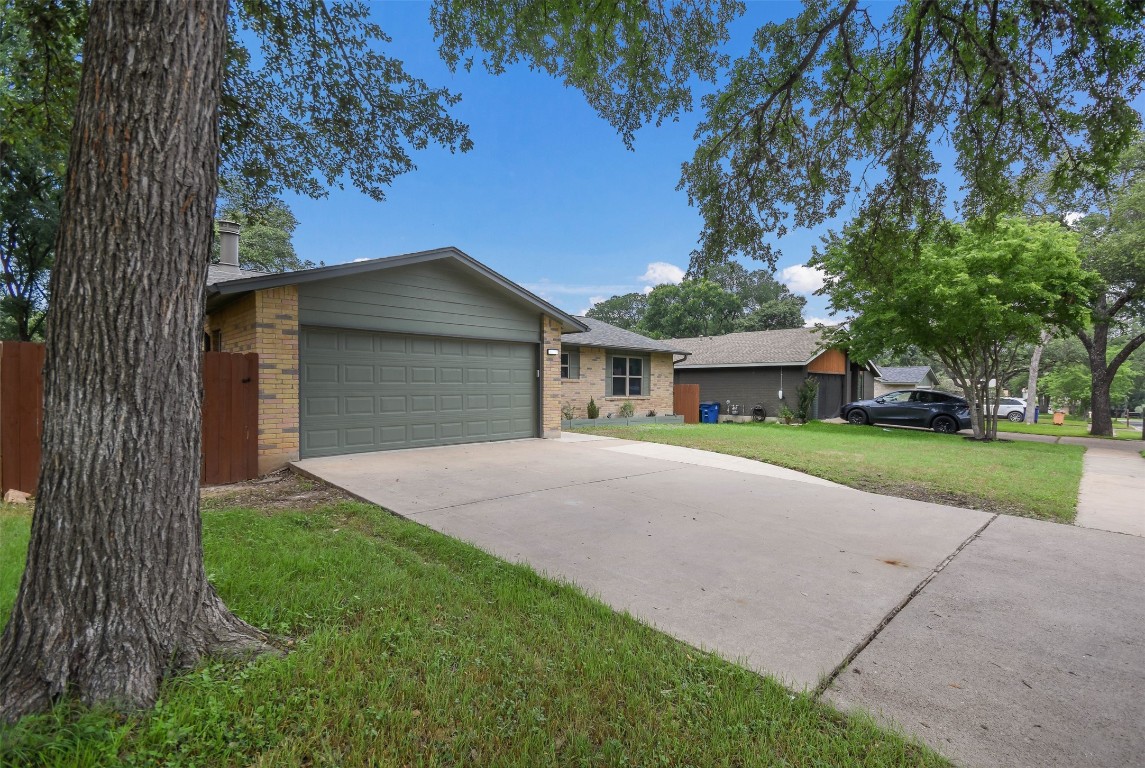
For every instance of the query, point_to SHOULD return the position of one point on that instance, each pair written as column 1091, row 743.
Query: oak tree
column 114, row 596
column 973, row 299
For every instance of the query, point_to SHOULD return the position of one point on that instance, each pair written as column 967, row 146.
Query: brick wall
column 550, row 378
column 266, row 322
column 593, row 383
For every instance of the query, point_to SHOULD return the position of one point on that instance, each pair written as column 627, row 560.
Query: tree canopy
column 746, row 300
column 971, row 298
column 267, row 227
column 849, row 103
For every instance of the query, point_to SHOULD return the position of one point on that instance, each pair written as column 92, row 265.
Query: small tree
column 805, row 397
column 971, row 298
column 592, row 409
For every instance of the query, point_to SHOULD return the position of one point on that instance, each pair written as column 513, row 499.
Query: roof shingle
column 601, row 334
column 910, row 374
column 792, row 346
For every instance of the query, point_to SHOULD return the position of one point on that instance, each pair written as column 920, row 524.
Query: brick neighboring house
column 894, row 378
column 612, row 366
column 429, row 348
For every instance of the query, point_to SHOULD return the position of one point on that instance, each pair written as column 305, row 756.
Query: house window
column 217, row 340
column 570, row 364
column 627, row 376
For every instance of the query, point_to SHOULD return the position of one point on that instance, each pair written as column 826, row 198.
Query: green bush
column 593, row 409
column 805, row 396
column 627, row 409
column 568, row 413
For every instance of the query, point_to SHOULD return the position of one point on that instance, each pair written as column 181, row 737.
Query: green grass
column 1069, row 429
column 1020, row 478
column 415, row 649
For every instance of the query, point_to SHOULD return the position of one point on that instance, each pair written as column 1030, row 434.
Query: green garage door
column 367, row 391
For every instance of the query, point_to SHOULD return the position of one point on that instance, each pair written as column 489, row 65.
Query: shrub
column 805, row 396
column 626, row 409
column 568, row 413
column 652, row 412
column 786, row 414
column 592, row 409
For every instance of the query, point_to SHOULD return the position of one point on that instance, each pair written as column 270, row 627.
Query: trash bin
column 709, row 413
column 1037, row 409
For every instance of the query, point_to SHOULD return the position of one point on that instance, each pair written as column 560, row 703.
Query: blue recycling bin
column 1036, row 410
column 709, row 413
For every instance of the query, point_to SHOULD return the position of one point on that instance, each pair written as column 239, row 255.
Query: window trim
column 645, row 374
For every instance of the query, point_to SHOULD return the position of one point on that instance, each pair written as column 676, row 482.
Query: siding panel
column 436, row 298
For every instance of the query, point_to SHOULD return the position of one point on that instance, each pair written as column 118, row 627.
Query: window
column 570, row 364
column 897, row 397
column 627, row 376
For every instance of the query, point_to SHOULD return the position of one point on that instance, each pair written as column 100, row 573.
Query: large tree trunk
column 114, row 596
column 1097, row 347
column 1032, row 381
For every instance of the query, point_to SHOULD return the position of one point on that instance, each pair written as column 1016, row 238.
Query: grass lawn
column 948, row 469
column 415, row 649
column 1069, row 429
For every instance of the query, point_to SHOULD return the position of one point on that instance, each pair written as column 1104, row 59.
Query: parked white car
column 1012, row 408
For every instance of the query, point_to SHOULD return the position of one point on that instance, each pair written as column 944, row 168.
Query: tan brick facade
column 266, row 322
column 593, row 383
column 551, row 391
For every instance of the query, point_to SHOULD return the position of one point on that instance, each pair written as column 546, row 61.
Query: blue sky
column 549, row 196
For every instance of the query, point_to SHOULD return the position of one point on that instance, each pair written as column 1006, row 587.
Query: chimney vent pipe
column 229, row 243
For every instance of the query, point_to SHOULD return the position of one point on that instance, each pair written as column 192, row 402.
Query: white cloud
column 802, row 278
column 548, row 290
column 660, row 272
column 1073, row 217
column 809, row 322
column 592, row 301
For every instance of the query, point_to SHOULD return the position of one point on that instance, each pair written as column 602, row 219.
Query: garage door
column 367, row 391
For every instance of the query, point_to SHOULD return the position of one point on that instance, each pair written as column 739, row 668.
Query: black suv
column 911, row 408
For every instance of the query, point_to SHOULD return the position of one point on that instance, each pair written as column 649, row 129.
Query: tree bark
column 114, row 596
column 1096, row 346
column 1032, row 382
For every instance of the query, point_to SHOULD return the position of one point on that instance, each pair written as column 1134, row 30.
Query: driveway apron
column 786, row 576
column 996, row 640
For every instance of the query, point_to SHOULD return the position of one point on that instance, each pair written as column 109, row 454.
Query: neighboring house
column 611, row 366
column 429, row 348
column 894, row 378
column 753, row 368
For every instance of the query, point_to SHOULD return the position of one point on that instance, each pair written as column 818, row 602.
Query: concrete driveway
column 808, row 581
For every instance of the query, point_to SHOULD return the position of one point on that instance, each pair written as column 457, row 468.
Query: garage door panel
column 363, row 391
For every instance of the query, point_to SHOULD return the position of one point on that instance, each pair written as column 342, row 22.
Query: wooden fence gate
column 230, row 416
column 686, row 402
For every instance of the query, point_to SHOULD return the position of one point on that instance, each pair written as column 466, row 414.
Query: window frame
column 644, row 375
column 570, row 364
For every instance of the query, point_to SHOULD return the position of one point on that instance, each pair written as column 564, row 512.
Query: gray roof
column 793, row 346
column 910, row 374
column 244, row 281
column 601, row 334
column 221, row 273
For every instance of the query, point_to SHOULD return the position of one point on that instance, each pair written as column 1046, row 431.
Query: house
column 423, row 349
column 894, row 378
column 742, row 370
column 613, row 366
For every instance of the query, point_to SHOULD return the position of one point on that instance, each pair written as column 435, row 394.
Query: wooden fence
column 686, row 402
column 230, row 416
column 21, row 414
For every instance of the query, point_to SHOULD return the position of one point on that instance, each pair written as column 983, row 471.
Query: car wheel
column 1015, row 416
column 944, row 424
column 857, row 416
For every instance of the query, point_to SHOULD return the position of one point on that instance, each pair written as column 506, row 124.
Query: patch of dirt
column 280, row 490
column 966, row 501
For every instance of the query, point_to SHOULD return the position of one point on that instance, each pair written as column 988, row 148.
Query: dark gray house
column 742, row 370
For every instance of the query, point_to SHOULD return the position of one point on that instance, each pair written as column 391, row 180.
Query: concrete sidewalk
column 1112, row 494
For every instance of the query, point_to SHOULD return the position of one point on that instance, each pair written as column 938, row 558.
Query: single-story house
column 428, row 348
column 893, row 378
column 742, row 370
column 611, row 366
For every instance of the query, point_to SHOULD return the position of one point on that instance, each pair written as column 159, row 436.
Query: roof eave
column 569, row 324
